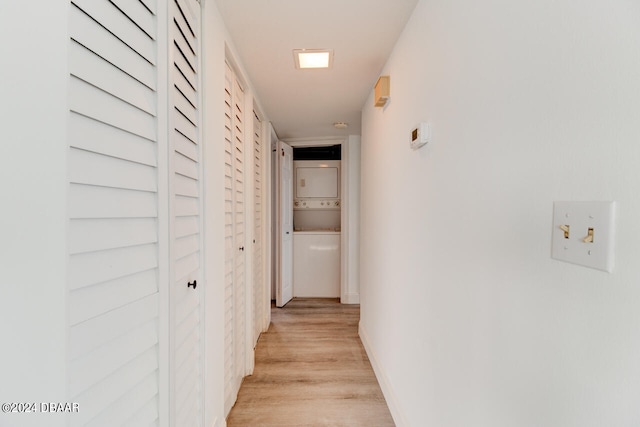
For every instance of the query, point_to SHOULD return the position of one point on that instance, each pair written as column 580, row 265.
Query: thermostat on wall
column 420, row 135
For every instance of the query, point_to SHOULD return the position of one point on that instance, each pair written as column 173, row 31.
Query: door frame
column 270, row 139
column 348, row 263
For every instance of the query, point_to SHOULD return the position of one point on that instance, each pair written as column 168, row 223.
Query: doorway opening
column 319, row 255
column 316, row 221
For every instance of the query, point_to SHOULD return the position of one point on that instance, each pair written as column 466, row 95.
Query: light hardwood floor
column 311, row 370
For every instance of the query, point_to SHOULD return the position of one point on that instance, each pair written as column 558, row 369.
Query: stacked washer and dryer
column 316, row 233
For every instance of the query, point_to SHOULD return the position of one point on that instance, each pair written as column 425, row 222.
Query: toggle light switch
column 589, row 238
column 574, row 240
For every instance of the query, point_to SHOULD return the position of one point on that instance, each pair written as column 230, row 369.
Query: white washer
column 316, row 264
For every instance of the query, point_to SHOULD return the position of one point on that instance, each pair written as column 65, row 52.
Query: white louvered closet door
column 113, row 289
column 258, row 278
column 234, row 238
column 239, row 228
column 229, row 303
column 185, row 213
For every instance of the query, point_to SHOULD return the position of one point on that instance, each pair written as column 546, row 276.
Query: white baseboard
column 392, row 400
column 350, row 299
column 251, row 361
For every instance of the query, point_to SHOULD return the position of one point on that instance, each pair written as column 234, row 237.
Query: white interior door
column 258, row 266
column 234, row 342
column 185, row 214
column 284, row 286
column 240, row 228
column 113, row 292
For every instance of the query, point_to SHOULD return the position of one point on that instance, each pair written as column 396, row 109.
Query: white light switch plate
column 579, row 217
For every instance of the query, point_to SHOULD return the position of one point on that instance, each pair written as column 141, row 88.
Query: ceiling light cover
column 313, row 58
column 341, row 125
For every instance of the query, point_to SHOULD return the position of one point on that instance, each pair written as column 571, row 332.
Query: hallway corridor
column 311, row 370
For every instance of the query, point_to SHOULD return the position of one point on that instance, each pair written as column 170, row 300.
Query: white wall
column 468, row 320
column 33, row 117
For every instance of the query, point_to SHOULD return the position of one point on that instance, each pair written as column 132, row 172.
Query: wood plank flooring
column 311, row 370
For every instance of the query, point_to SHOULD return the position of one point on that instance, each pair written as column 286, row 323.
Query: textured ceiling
column 306, row 103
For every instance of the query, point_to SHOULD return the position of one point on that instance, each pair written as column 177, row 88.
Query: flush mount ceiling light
column 313, row 58
column 341, row 125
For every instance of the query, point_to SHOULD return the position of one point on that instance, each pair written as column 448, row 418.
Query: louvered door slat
column 186, row 226
column 89, row 370
column 119, row 24
column 91, row 235
column 184, row 106
column 186, row 166
column 182, row 43
column 184, row 146
column 90, row 201
column 97, row 137
column 107, row 296
column 150, row 5
column 184, row 127
column 94, row 333
column 187, row 322
column 109, row 391
column 185, row 246
column 97, row 169
column 138, row 13
column 85, row 65
column 91, row 268
column 129, row 405
column 107, row 108
column 186, row 186
column 147, row 416
column 186, row 206
column 182, row 85
column 186, row 267
column 86, row 31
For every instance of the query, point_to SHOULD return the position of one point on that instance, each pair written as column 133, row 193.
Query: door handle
column 192, row 284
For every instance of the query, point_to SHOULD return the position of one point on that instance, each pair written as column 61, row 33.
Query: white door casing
column 284, row 284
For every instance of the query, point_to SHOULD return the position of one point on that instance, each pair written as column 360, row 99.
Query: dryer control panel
column 316, row 204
